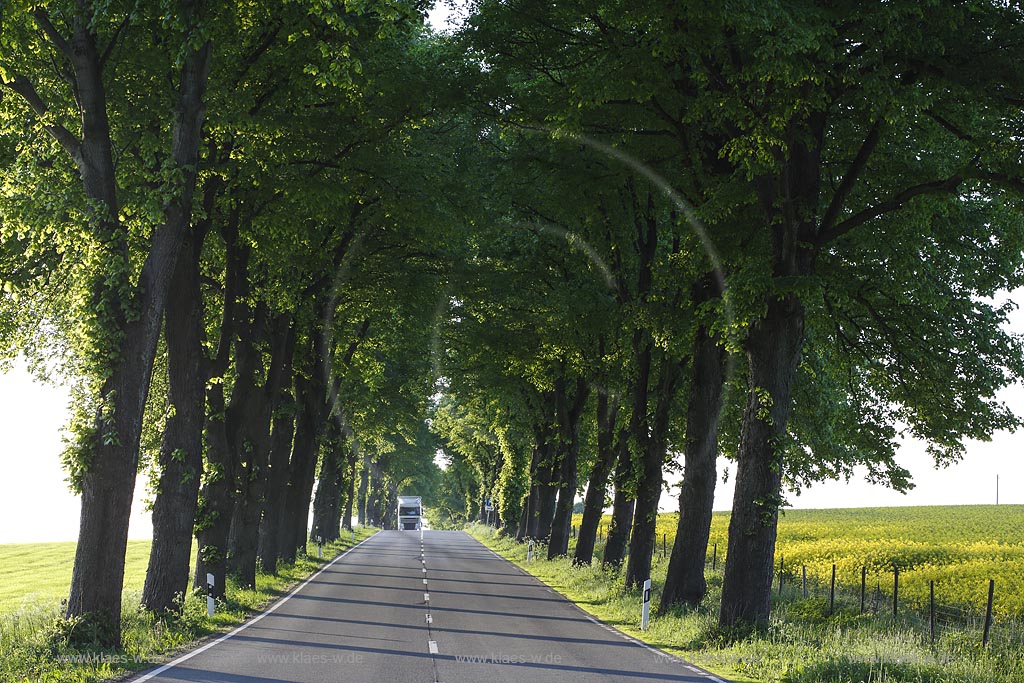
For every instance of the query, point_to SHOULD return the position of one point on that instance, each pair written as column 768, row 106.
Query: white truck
column 410, row 513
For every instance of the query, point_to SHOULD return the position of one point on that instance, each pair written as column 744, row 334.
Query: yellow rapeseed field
column 958, row 547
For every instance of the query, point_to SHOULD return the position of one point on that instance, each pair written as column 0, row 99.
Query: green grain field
column 40, row 573
column 34, row 579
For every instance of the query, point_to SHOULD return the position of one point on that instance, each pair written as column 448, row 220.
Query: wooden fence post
column 895, row 591
column 832, row 593
column 988, row 612
column 931, row 608
column 863, row 586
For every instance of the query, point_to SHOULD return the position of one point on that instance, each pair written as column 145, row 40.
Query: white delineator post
column 529, row 551
column 645, row 614
column 211, row 604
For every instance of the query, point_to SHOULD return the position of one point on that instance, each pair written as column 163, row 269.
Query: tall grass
column 33, row 651
column 803, row 643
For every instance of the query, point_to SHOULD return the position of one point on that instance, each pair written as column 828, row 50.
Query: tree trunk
column 373, row 504
column 626, row 483
column 181, row 449
column 249, row 418
column 364, row 486
column 773, row 350
column 350, row 489
column 645, row 517
column 547, row 489
column 283, row 431
column 622, row 506
column 216, row 498
column 108, row 479
column 685, row 582
column 302, row 470
column 569, row 416
column 389, row 505
column 327, row 503
column 530, row 504
column 593, row 506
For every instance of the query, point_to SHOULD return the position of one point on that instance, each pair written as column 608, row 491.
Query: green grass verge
column 803, row 644
column 35, row 578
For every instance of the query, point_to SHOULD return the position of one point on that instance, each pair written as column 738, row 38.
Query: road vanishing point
column 442, row 609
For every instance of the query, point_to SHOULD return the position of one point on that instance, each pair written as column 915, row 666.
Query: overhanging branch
column 21, row 85
column 846, row 186
column 896, row 202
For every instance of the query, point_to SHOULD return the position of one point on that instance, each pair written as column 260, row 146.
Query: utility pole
column 997, row 489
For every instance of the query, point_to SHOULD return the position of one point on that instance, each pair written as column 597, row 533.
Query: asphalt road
column 441, row 610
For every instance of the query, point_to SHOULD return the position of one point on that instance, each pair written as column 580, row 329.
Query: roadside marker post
column 529, row 552
column 211, row 604
column 645, row 615
column 319, row 547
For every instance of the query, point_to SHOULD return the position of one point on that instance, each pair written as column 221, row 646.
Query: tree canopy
column 294, row 251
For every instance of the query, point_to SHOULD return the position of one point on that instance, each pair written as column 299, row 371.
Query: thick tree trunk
column 547, row 489
column 327, row 502
column 249, row 417
column 622, row 507
column 569, row 415
column 389, row 506
column 627, row 485
column 282, row 433
column 364, row 487
column 593, row 506
column 645, row 517
column 530, row 503
column 108, row 481
column 181, row 450
column 350, row 486
column 216, row 499
column 773, row 352
column 373, row 503
column 302, row 470
column 685, row 582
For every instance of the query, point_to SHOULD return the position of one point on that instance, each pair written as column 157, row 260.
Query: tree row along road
column 443, row 609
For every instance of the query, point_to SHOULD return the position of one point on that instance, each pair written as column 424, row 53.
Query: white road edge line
column 231, row 634
column 706, row 674
column 709, row 676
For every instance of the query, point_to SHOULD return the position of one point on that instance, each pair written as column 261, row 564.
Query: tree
column 125, row 306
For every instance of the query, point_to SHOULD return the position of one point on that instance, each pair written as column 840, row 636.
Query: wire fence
column 883, row 595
